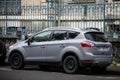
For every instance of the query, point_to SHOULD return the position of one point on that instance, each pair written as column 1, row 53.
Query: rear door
column 56, row 45
column 102, row 46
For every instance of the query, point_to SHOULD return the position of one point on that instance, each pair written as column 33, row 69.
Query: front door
column 37, row 48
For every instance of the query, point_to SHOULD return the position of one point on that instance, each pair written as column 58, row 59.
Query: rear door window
column 73, row 34
column 59, row 35
column 95, row 36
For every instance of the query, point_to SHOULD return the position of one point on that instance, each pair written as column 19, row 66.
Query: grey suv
column 69, row 48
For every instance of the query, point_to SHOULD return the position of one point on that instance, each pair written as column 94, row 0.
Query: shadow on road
column 111, row 71
column 3, row 64
column 108, row 73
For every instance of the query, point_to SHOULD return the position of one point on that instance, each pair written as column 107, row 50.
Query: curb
column 118, row 65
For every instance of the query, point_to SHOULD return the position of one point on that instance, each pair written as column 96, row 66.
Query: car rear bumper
column 98, row 61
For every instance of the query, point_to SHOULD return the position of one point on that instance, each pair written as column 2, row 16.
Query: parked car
column 2, row 52
column 71, row 48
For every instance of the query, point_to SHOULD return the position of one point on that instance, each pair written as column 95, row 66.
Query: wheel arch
column 75, row 62
column 14, row 52
column 68, row 54
column 20, row 60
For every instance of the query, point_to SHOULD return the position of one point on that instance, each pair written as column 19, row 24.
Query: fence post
column 5, row 28
column 59, row 12
column 47, row 14
column 104, row 29
column 55, row 13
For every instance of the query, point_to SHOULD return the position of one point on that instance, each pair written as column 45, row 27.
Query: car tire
column 2, row 60
column 16, row 61
column 3, row 55
column 70, row 65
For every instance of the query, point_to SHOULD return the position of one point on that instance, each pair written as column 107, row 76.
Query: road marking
column 108, row 77
column 5, row 69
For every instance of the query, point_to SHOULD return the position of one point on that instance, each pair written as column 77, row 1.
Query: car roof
column 61, row 28
column 72, row 29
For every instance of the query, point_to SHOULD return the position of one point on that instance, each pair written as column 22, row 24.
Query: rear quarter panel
column 73, row 46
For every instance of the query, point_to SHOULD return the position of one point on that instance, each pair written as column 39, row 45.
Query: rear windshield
column 95, row 36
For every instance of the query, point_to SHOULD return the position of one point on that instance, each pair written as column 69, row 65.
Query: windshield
column 95, row 36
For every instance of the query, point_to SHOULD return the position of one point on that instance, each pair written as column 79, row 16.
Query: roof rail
column 60, row 27
column 92, row 28
column 49, row 28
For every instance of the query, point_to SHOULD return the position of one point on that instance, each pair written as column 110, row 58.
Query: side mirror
column 29, row 41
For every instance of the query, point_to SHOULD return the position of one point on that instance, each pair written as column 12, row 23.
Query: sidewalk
column 114, row 68
column 115, row 64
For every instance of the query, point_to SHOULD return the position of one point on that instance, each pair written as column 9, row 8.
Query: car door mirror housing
column 30, row 40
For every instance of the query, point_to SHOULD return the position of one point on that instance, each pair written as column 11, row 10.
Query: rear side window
column 59, row 35
column 73, row 34
column 95, row 36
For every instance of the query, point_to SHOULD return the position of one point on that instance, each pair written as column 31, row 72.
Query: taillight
column 87, row 44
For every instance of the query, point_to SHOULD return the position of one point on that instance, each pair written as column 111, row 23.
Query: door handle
column 42, row 46
column 62, row 45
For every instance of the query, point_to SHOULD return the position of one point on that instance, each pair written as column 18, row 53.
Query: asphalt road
column 34, row 73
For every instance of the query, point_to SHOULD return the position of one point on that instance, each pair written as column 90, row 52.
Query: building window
column 10, row 7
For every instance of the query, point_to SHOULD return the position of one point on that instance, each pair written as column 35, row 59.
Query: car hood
column 17, row 44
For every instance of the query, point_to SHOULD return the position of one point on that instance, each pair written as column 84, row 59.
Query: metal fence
column 34, row 18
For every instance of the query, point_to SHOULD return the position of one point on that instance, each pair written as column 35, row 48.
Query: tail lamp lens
column 87, row 44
